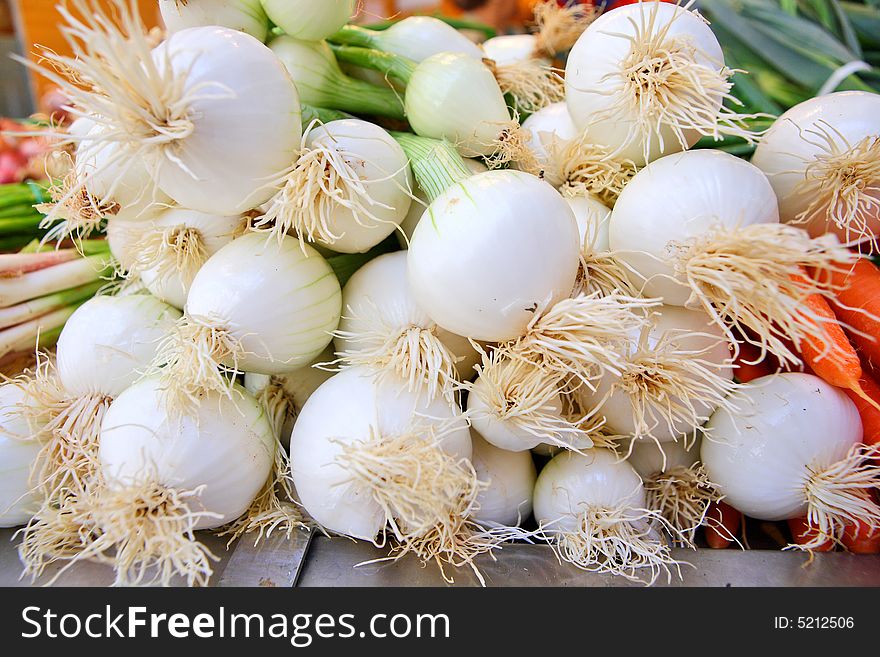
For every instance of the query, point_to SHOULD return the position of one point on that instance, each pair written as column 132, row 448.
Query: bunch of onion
column 649, row 79
column 210, row 133
column 455, row 97
column 394, row 465
column 105, row 346
column 793, row 449
column 531, row 83
column 162, row 476
column 348, row 189
column 676, row 484
column 701, row 229
column 593, row 510
column 822, row 158
column 383, row 328
column 256, row 305
column 673, row 374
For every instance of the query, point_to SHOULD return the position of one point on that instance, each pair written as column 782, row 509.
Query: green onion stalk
column 19, row 219
column 40, row 288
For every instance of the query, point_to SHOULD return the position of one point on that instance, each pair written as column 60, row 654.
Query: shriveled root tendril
column 532, row 85
column 558, row 27
column 590, row 169
column 682, row 496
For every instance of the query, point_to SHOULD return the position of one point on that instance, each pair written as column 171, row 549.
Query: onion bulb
column 166, row 478
column 510, row 476
column 511, row 48
column 676, row 484
column 19, row 449
column 701, row 229
column 393, row 464
column 172, row 248
column 243, row 15
column 414, row 37
column 591, row 507
column 258, row 306
column 672, row 376
column 550, row 130
column 348, row 189
column 307, row 19
column 383, row 328
column 822, row 158
column 649, row 79
column 793, row 449
column 211, row 133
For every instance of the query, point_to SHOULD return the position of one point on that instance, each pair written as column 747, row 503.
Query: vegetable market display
column 398, row 286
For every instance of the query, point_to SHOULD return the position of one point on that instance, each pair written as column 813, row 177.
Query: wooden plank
column 37, row 23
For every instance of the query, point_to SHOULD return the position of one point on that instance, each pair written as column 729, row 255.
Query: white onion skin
column 488, row 249
column 599, row 52
column 511, row 48
column 420, row 37
column 617, row 408
column 549, row 125
column 109, row 342
column 417, row 210
column 571, row 483
column 593, row 220
column 783, row 152
column 123, row 237
column 126, row 182
column 511, row 477
column 648, row 459
column 215, row 230
column 242, row 15
column 307, row 19
column 18, row 451
column 238, row 144
column 379, row 161
column 280, row 301
column 324, row 487
column 226, row 446
column 788, row 426
column 455, row 97
column 678, row 197
column 381, row 286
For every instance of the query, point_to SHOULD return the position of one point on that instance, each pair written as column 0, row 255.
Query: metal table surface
column 306, row 560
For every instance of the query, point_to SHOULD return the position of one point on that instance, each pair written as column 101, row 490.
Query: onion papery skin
column 243, row 137
column 472, row 282
column 227, row 446
column 279, row 301
column 788, row 426
column 372, row 406
column 109, row 342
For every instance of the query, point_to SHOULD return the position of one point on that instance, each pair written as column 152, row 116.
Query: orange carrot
column 858, row 306
column 722, row 525
column 868, row 412
column 802, row 533
column 750, row 365
column 832, row 357
column 859, row 538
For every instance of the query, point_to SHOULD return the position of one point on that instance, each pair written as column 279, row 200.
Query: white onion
column 243, row 15
column 18, row 452
column 374, row 409
column 769, row 456
column 511, row 477
column 510, row 48
column 166, row 477
column 307, row 19
column 655, row 46
column 241, row 138
column 551, row 129
column 491, row 251
column 684, row 351
column 821, row 156
column 382, row 326
column 419, row 37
